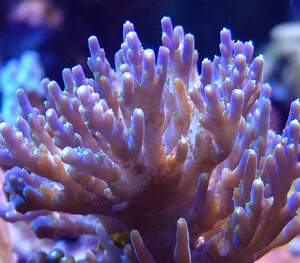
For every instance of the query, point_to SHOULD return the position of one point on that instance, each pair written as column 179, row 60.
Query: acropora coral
column 128, row 153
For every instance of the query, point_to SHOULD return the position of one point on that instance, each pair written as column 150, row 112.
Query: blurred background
column 39, row 38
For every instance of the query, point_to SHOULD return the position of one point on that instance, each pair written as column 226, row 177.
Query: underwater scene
column 149, row 131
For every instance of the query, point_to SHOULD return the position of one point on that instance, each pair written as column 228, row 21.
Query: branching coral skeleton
column 151, row 143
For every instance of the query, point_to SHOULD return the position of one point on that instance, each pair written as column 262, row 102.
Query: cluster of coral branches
column 152, row 143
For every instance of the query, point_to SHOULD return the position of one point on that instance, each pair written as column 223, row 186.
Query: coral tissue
column 183, row 162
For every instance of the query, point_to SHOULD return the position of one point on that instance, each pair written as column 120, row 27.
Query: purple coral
column 150, row 143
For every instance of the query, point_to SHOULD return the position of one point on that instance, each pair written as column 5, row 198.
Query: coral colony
column 26, row 73
column 185, row 164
